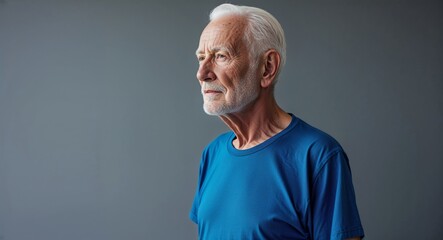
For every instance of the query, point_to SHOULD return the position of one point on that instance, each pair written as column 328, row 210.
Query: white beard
column 244, row 92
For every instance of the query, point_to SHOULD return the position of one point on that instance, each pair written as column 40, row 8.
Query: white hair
column 263, row 31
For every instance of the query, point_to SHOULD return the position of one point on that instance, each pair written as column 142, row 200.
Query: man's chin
column 214, row 111
column 221, row 110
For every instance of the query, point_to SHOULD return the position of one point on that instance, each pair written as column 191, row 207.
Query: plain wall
column 102, row 127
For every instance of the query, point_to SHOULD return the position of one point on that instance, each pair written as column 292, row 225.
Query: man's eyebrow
column 198, row 52
column 212, row 50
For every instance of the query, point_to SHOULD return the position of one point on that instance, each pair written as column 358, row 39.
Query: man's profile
column 273, row 176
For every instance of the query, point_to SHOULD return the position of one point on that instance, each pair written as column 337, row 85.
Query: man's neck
column 256, row 124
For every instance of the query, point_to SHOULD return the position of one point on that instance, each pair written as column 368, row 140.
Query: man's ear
column 271, row 65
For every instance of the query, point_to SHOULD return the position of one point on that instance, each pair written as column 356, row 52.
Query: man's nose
column 205, row 71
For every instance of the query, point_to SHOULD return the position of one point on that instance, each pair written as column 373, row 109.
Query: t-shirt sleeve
column 196, row 203
column 194, row 209
column 193, row 214
column 333, row 208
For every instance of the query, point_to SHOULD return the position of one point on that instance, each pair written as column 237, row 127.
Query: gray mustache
column 211, row 86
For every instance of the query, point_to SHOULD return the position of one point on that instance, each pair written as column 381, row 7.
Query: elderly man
column 274, row 176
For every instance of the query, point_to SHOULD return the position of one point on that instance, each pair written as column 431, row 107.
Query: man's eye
column 220, row 57
column 200, row 58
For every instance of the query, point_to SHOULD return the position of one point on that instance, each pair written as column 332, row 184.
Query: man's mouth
column 211, row 91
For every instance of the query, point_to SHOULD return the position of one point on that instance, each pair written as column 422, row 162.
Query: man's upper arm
column 333, row 205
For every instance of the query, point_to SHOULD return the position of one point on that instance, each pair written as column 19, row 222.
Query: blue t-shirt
column 295, row 185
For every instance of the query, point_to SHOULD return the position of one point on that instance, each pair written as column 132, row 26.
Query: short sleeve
column 196, row 203
column 333, row 208
column 194, row 209
column 193, row 214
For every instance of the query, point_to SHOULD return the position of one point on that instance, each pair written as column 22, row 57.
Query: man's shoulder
column 310, row 145
column 220, row 140
column 307, row 135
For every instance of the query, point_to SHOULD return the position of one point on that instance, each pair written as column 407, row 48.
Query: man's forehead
column 228, row 21
column 222, row 33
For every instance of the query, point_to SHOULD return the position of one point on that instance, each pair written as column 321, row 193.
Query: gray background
column 101, row 124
